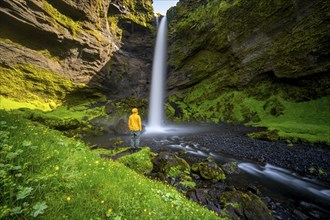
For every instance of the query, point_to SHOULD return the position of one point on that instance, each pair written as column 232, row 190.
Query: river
column 265, row 165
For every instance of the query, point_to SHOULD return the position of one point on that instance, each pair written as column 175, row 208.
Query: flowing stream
column 310, row 196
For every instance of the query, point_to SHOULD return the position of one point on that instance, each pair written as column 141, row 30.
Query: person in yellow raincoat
column 135, row 126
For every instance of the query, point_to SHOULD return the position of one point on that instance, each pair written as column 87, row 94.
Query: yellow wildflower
column 68, row 198
column 56, row 167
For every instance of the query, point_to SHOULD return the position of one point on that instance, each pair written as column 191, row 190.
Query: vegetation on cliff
column 258, row 62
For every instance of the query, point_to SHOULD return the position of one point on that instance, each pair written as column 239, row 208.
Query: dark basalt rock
column 170, row 164
column 209, row 170
column 204, row 197
column 241, row 205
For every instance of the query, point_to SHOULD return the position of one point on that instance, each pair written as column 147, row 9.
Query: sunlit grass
column 47, row 175
column 307, row 121
column 8, row 104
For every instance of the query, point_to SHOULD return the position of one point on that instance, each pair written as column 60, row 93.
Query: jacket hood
column 134, row 110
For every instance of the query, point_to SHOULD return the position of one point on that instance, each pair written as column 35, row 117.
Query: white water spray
column 156, row 101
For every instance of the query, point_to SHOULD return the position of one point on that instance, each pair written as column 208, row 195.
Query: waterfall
column 156, row 101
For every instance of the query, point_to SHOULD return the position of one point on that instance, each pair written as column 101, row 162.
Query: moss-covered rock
column 141, row 161
column 230, row 168
column 239, row 205
column 171, row 165
column 209, row 170
column 265, row 135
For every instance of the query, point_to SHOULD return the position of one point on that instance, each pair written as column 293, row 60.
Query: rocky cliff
column 239, row 60
column 81, row 41
column 247, row 40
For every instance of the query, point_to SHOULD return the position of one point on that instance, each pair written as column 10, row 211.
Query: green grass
column 306, row 121
column 140, row 162
column 8, row 104
column 50, row 176
column 32, row 86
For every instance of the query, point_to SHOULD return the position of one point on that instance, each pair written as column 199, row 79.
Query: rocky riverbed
column 232, row 141
column 226, row 143
column 305, row 159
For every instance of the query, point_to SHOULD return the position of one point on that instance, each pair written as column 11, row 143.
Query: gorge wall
column 95, row 42
column 267, row 50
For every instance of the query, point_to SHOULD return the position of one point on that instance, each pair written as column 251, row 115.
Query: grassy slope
column 50, row 176
column 307, row 121
column 54, row 177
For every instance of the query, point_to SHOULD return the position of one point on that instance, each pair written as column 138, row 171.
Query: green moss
column 27, row 86
column 108, row 152
column 303, row 41
column 178, row 170
column 258, row 73
column 9, row 104
column 188, row 184
column 265, row 135
column 140, row 161
column 238, row 204
column 33, row 85
column 209, row 170
column 73, row 26
column 274, row 107
column 139, row 12
column 230, row 168
column 47, row 54
column 306, row 121
column 113, row 24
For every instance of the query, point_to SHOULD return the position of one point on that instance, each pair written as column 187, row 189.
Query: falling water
column 156, row 105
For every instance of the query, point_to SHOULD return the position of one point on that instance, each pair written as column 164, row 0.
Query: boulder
column 239, row 205
column 171, row 165
column 209, row 170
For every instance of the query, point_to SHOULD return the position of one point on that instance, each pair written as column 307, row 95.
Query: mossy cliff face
column 249, row 61
column 245, row 40
column 75, row 40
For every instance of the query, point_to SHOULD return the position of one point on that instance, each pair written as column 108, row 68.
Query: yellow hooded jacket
column 134, row 121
